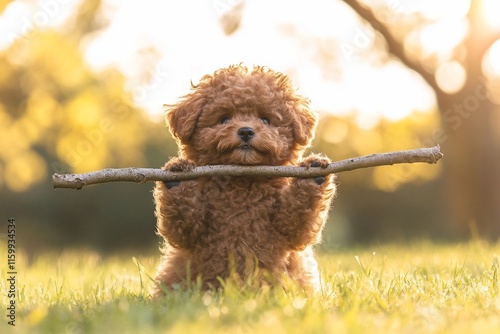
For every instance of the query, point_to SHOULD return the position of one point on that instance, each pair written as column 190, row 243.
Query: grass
column 417, row 288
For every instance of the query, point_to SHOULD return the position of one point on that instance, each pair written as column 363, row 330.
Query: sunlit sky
column 190, row 43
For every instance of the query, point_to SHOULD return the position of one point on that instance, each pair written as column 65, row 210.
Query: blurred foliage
column 3, row 5
column 58, row 115
column 51, row 101
column 389, row 202
column 340, row 138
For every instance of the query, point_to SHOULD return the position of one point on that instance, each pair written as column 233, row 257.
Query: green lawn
column 417, row 288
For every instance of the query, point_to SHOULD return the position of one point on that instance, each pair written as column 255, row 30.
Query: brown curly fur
column 249, row 228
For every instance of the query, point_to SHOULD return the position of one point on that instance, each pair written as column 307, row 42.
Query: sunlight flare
column 491, row 61
column 491, row 11
column 451, row 77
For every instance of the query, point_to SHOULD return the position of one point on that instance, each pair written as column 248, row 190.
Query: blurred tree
column 340, row 137
column 58, row 115
column 382, row 203
column 471, row 137
column 51, row 103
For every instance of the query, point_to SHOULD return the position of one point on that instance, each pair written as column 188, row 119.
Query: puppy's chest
column 231, row 205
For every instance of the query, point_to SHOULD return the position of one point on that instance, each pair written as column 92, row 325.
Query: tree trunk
column 471, row 138
column 472, row 144
column 472, row 161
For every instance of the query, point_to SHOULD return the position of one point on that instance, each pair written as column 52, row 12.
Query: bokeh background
column 82, row 84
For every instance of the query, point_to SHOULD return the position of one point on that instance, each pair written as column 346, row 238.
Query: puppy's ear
column 304, row 123
column 182, row 117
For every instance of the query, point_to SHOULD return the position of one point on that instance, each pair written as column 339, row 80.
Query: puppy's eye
column 265, row 120
column 224, row 119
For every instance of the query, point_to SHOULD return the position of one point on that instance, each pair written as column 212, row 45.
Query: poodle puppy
column 256, row 230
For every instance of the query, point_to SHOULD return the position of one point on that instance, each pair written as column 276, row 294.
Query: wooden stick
column 140, row 175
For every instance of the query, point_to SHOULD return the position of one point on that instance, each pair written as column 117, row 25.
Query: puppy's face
column 242, row 136
column 242, row 117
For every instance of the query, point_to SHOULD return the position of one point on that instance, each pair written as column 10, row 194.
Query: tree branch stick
column 141, row 175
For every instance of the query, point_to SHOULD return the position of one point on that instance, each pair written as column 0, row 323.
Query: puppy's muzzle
column 246, row 133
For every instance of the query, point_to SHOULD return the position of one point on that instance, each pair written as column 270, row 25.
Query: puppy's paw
column 317, row 160
column 177, row 165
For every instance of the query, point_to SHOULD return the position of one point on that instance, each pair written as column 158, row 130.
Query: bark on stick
column 140, row 175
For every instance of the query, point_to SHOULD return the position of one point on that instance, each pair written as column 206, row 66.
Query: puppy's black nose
column 246, row 133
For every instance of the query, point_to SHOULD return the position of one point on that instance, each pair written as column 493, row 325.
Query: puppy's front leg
column 306, row 203
column 178, row 207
